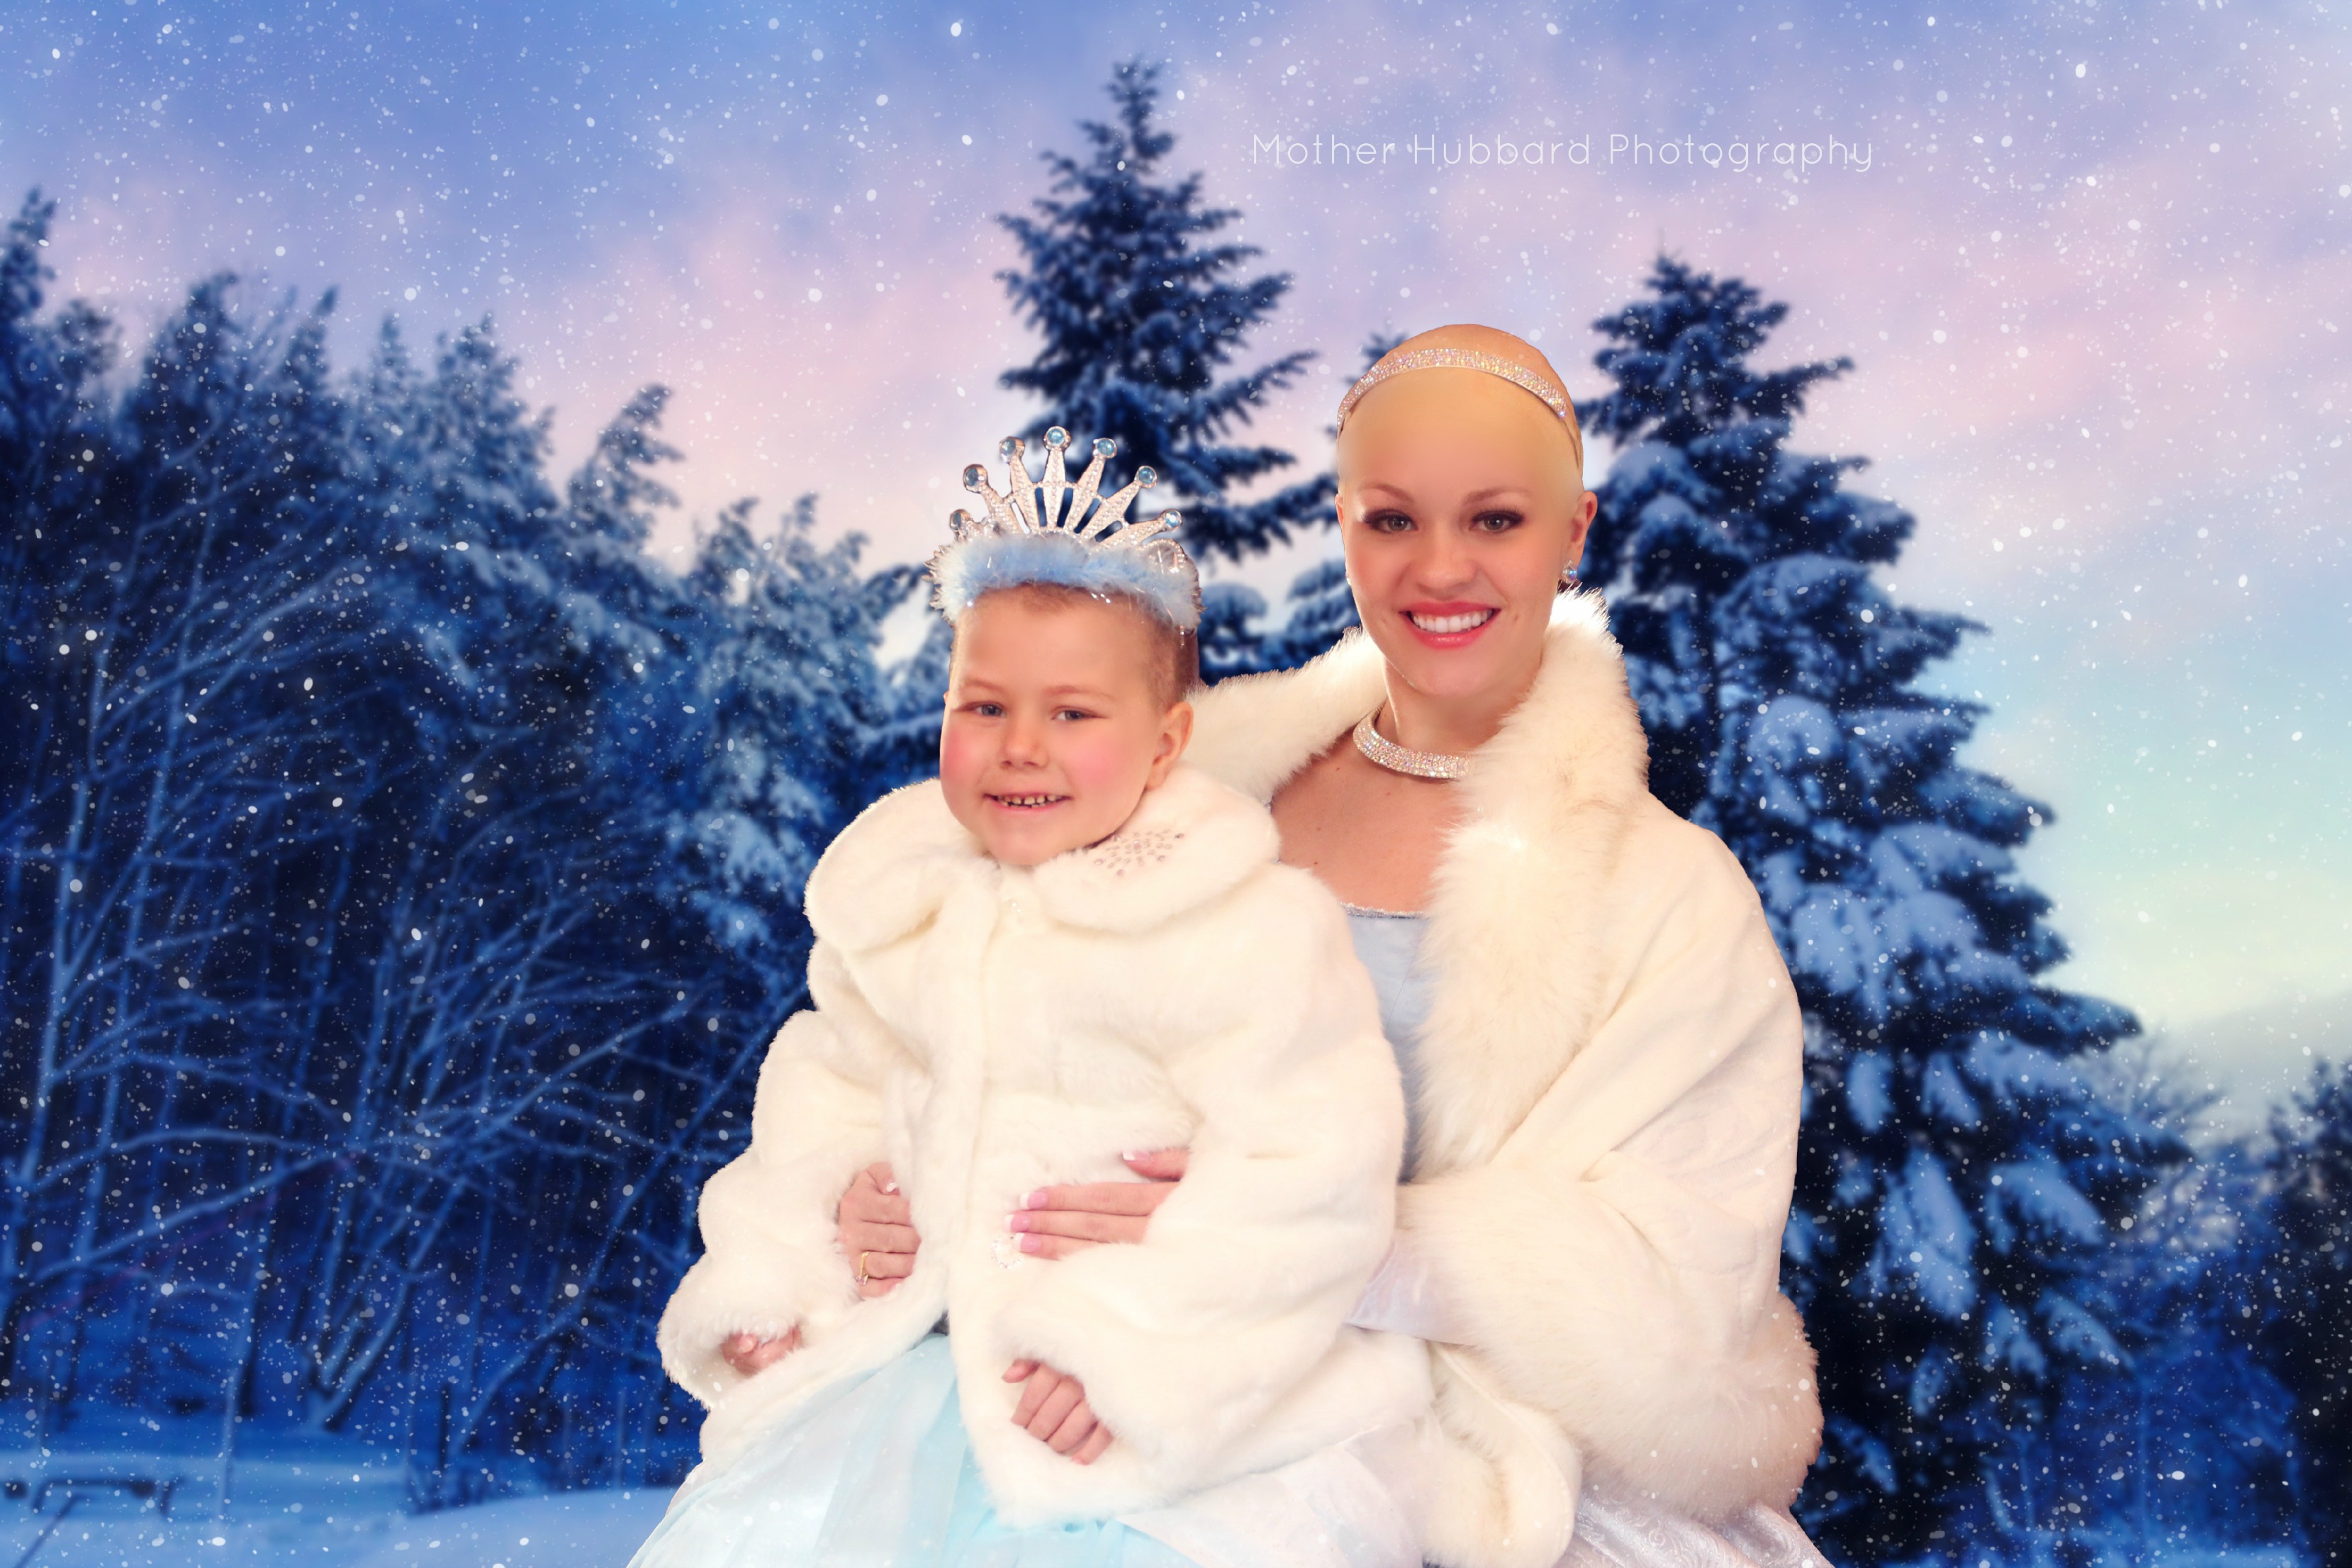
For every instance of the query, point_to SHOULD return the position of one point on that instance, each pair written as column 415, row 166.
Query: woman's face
column 1459, row 510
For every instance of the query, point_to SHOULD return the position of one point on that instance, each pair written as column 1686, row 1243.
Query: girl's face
column 1459, row 512
column 1055, row 726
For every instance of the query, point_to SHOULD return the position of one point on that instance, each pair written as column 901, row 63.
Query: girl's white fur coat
column 1611, row 1079
column 990, row 1030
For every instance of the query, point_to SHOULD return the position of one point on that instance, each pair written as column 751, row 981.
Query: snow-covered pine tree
column 391, row 913
column 1233, row 641
column 2191, row 1294
column 798, row 710
column 2301, row 1334
column 1142, row 316
column 1957, row 1173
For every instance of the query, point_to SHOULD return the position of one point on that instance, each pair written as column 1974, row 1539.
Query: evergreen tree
column 1959, row 1175
column 795, row 730
column 2304, row 1333
column 2194, row 1440
column 1321, row 605
column 399, row 882
column 1142, row 316
column 1236, row 637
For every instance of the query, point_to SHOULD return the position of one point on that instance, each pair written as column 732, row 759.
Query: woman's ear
column 1175, row 734
column 1580, row 525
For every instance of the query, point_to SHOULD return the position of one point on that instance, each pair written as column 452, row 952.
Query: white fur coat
column 1611, row 1080
column 990, row 1030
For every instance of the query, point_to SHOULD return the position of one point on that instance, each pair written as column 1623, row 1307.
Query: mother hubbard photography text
column 1619, row 150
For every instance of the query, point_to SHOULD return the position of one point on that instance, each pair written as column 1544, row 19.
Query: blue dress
column 1388, row 944
column 876, row 1472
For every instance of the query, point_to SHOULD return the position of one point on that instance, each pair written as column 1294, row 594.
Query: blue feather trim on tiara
column 966, row 571
column 1029, row 536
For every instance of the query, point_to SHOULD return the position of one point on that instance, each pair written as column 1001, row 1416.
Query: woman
column 1601, row 1043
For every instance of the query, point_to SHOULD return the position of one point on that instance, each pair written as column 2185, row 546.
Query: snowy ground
column 572, row 1530
column 333, row 1502
column 330, row 1503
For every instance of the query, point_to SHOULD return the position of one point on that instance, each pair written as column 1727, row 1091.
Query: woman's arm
column 875, row 1229
column 1056, row 1222
column 1404, row 1296
column 1616, row 1264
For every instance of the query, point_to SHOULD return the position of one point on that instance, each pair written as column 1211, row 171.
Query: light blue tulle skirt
column 874, row 1473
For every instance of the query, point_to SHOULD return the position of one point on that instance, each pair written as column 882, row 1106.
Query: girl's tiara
column 1028, row 536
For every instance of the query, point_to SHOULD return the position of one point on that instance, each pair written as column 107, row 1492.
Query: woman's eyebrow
column 1488, row 494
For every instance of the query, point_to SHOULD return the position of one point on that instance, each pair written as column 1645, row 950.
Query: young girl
column 1067, row 947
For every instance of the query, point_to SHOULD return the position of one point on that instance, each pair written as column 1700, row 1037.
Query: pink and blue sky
column 2093, row 260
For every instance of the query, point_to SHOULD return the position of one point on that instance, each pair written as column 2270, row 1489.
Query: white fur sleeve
column 1247, row 1273
column 770, row 1260
column 1625, row 1279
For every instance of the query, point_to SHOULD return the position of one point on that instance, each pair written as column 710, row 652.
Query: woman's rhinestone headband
column 1516, row 374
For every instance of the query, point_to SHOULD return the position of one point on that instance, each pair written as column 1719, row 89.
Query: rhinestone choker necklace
column 1382, row 751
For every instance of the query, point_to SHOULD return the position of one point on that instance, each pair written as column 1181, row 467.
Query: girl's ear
column 1175, row 734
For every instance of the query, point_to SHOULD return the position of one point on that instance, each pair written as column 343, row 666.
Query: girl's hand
column 1054, row 1410
column 873, row 1224
column 747, row 1353
column 1055, row 1222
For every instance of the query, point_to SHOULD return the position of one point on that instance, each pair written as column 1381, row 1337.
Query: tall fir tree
column 1958, row 1174
column 399, row 879
column 1236, row 638
column 1142, row 314
column 2303, row 1299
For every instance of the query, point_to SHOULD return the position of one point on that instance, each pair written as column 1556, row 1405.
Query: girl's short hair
column 1176, row 652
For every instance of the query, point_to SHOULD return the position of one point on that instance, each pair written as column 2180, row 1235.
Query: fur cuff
column 722, row 1297
column 1668, row 1378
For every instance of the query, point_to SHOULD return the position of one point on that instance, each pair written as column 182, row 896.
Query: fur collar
column 1191, row 841
column 1520, row 892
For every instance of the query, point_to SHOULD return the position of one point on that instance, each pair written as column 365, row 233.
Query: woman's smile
column 1450, row 625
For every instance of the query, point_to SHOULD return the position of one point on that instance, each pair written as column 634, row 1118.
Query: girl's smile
column 1025, row 802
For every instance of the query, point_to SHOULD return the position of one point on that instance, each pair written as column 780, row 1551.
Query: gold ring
column 863, row 1276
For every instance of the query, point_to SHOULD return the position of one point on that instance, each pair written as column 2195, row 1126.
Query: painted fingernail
column 1016, row 1222
column 1132, row 1155
column 1036, row 1200
column 890, row 1187
column 1032, row 1244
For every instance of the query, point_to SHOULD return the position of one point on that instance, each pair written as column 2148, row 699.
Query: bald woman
column 1599, row 1043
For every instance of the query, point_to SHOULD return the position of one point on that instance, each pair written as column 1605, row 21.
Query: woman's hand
column 747, row 1353
column 1055, row 1222
column 1054, row 1410
column 877, row 1231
